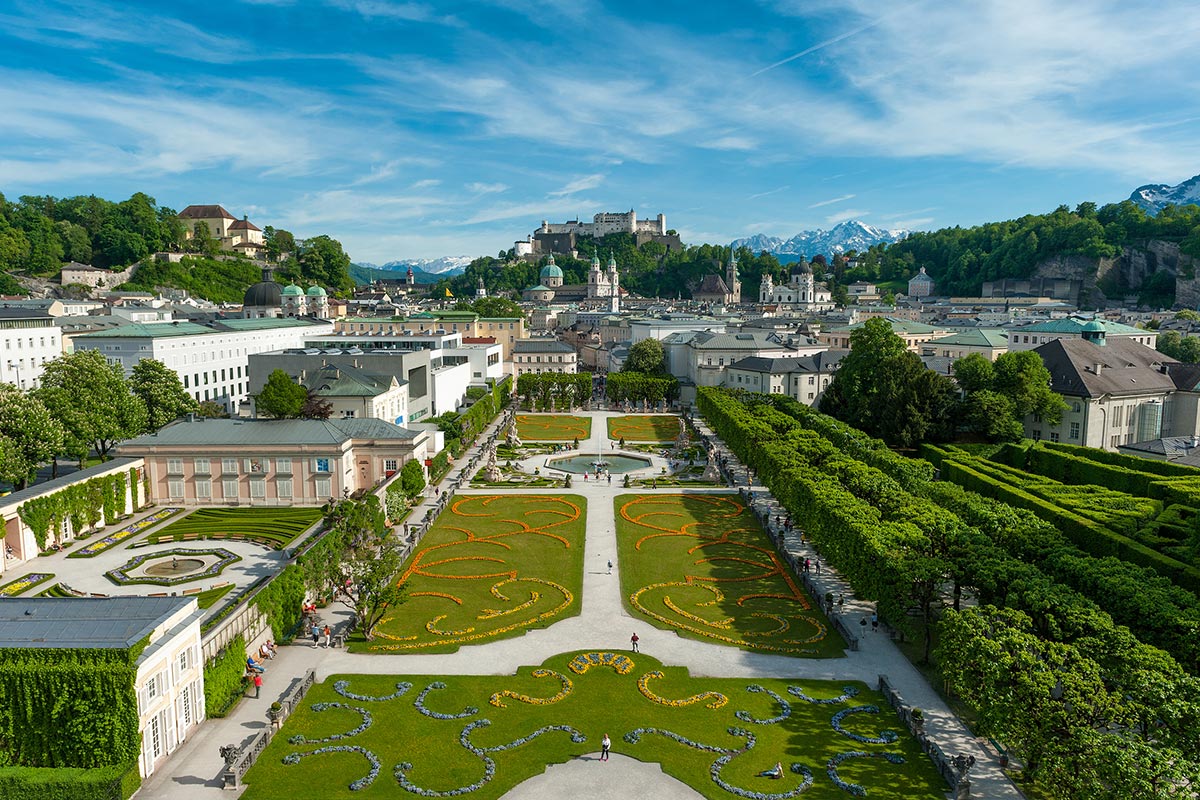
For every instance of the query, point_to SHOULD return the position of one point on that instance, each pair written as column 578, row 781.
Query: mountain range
column 1155, row 196
column 849, row 235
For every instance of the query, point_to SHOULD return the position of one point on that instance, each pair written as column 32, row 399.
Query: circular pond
column 176, row 566
column 615, row 464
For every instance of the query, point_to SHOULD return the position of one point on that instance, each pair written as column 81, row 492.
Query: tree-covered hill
column 961, row 259
column 39, row 233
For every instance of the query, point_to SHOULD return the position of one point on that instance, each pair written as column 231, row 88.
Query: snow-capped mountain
column 848, row 235
column 1155, row 196
column 446, row 265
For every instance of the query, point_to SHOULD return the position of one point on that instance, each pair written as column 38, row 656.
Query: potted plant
column 275, row 711
column 918, row 718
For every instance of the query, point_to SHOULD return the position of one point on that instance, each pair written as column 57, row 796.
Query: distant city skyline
column 418, row 130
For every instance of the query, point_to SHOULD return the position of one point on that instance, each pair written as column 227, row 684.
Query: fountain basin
column 615, row 463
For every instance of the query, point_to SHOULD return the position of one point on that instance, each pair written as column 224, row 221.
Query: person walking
column 633, row 643
column 327, row 633
column 874, row 622
column 257, row 684
column 610, row 568
column 316, row 634
column 605, row 747
column 862, row 623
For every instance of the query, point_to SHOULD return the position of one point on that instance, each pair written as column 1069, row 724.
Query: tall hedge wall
column 225, row 678
column 66, row 783
column 68, row 708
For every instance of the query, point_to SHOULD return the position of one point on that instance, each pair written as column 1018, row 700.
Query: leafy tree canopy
column 30, row 436
column 92, row 401
column 162, row 393
column 281, row 397
column 646, row 356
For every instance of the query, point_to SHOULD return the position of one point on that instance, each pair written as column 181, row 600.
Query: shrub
column 225, row 678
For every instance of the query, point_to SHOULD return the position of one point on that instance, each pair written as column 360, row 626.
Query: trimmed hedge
column 1089, row 535
column 66, row 783
column 1164, row 468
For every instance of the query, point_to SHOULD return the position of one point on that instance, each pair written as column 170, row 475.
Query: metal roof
column 266, row 433
column 94, row 622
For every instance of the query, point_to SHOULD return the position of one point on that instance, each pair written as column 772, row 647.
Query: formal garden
column 644, row 428
column 479, row 736
column 553, row 427
column 275, row 527
column 701, row 564
column 492, row 566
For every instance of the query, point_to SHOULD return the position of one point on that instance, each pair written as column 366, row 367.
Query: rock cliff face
column 1126, row 273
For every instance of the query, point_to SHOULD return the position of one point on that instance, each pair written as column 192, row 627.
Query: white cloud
column 486, row 188
column 579, row 185
column 768, row 193
column 428, row 183
column 833, row 200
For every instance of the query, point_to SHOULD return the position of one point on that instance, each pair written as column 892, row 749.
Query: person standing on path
column 605, row 746
column 610, row 568
column 874, row 622
column 633, row 643
column 862, row 623
column 316, row 634
column 257, row 684
column 327, row 633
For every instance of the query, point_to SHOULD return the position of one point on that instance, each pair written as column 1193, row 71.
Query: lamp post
column 13, row 365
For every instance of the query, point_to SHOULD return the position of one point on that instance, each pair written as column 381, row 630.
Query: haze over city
column 412, row 130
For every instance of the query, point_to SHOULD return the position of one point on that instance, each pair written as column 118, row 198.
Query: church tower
column 731, row 277
column 614, row 281
column 766, row 288
column 480, row 291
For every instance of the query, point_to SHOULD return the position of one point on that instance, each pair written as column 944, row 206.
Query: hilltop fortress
column 560, row 237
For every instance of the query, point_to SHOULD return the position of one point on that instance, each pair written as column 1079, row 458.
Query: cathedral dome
column 263, row 294
column 292, row 290
column 801, row 267
column 315, row 291
column 551, row 270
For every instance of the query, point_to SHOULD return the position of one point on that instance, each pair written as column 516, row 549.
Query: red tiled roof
column 205, row 212
column 244, row 225
column 254, row 245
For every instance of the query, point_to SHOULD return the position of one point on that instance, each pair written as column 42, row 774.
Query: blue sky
column 419, row 129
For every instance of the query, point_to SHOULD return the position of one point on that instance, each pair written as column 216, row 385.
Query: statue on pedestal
column 491, row 472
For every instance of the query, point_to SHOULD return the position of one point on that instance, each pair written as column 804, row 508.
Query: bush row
column 65, row 783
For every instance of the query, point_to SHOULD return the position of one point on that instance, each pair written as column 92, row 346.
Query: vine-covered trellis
column 84, row 505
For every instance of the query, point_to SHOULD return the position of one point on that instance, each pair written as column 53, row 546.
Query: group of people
column 318, row 632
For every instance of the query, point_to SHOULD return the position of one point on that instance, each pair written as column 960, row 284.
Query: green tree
column 493, row 307
column 315, row 406
column 278, row 243
column 646, row 357
column 1023, row 378
column 92, row 401
column 162, row 393
column 1188, row 314
column 412, row 478
column 281, row 397
column 974, row 373
column 211, row 409
column 202, row 241
column 31, row 436
column 323, row 261
column 885, row 390
column 993, row 416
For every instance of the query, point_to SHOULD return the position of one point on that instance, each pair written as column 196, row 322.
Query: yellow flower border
column 643, row 683
column 620, row 662
column 567, row 686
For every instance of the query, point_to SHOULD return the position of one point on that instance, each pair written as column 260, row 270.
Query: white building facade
column 212, row 361
column 29, row 339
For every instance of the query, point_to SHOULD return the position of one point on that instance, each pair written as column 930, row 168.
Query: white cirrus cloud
column 833, row 200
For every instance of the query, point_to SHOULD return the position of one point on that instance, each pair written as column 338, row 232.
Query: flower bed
column 482, row 751
column 121, row 576
column 129, row 531
column 24, row 583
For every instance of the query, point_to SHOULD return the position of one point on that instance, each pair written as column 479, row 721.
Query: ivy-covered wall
column 225, row 678
column 282, row 600
column 83, row 504
column 68, row 708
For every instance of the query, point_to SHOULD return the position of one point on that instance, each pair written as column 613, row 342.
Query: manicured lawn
column 553, row 427
column 644, row 428
column 433, row 736
column 700, row 564
column 209, row 597
column 55, row 590
column 491, row 567
column 274, row 527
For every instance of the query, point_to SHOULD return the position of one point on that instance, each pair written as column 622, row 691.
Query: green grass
column 553, row 427
column 491, row 567
column 598, row 701
column 55, row 590
column 644, row 428
column 700, row 564
column 274, row 527
column 209, row 597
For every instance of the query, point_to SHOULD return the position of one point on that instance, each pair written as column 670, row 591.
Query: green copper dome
column 315, row 291
column 292, row 290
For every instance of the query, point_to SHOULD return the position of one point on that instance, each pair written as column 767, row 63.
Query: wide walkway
column 194, row 770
